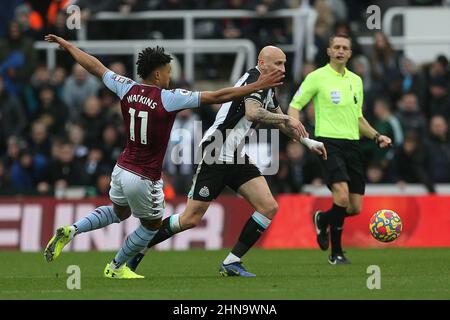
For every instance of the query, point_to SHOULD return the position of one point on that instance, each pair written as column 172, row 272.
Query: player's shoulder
column 253, row 75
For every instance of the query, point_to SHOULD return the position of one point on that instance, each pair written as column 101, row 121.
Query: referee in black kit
column 337, row 95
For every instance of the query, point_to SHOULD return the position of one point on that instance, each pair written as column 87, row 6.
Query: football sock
column 169, row 227
column 251, row 232
column 336, row 218
column 99, row 218
column 231, row 258
column 134, row 243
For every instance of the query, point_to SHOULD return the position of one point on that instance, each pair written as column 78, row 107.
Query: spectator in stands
column 52, row 111
column 56, row 23
column 439, row 103
column 64, row 171
column 39, row 79
column 76, row 138
column 78, row 87
column 27, row 171
column 13, row 146
column 6, row 186
column 385, row 63
column 236, row 28
column 39, row 140
column 439, row 149
column 269, row 30
column 92, row 165
column 361, row 66
column 386, row 124
column 17, row 59
column 57, row 80
column 412, row 80
column 410, row 161
column 375, row 173
column 92, row 120
column 30, row 20
column 410, row 115
column 112, row 144
column 12, row 116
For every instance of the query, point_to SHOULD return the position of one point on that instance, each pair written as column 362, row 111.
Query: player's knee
column 270, row 210
column 151, row 224
column 122, row 213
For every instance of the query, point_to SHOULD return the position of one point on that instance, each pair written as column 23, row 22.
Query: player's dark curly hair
column 150, row 59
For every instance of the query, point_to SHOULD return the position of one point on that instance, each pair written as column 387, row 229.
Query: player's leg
column 336, row 218
column 98, row 218
column 355, row 204
column 257, row 193
column 207, row 184
column 189, row 218
column 146, row 199
column 336, row 177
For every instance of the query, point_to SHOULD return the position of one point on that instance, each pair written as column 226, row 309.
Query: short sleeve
column 178, row 99
column 257, row 96
column 304, row 94
column 118, row 84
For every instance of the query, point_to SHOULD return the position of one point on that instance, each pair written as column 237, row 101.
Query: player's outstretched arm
column 273, row 79
column 90, row 63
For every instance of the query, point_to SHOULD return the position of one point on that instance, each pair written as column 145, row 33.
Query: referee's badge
column 336, row 97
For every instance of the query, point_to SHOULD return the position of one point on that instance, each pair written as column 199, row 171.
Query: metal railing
column 303, row 20
column 245, row 50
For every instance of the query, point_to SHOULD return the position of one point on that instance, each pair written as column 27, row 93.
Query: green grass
column 281, row 274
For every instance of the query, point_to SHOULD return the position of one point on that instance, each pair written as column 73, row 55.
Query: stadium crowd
column 62, row 128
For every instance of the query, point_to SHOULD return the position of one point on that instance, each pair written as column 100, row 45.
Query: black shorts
column 344, row 164
column 210, row 179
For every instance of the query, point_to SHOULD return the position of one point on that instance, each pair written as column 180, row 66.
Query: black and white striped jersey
column 230, row 125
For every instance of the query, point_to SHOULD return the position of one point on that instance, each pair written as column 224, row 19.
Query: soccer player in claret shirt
column 148, row 110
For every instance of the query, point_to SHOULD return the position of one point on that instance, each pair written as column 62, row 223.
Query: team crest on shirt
column 204, row 192
column 336, row 97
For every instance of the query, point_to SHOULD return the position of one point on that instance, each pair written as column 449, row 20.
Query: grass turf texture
column 193, row 274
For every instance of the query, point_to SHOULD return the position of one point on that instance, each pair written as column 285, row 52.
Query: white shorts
column 143, row 196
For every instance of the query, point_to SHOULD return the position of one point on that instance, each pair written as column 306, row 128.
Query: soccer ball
column 385, row 226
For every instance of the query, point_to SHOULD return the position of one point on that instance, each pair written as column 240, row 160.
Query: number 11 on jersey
column 144, row 119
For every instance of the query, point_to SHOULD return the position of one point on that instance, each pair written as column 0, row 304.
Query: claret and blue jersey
column 148, row 112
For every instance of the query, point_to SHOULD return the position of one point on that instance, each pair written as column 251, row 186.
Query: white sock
column 231, row 258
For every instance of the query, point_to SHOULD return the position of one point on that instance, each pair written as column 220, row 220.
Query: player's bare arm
column 270, row 80
column 368, row 131
column 90, row 63
column 255, row 113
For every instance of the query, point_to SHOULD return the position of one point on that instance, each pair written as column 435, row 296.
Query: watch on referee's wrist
column 375, row 138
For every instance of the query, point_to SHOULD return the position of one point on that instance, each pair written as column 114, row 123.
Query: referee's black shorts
column 344, row 164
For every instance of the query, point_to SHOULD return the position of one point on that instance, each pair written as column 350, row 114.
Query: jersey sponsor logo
column 120, row 79
column 204, row 192
column 336, row 97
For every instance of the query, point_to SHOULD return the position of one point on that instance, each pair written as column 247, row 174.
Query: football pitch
column 193, row 274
